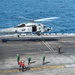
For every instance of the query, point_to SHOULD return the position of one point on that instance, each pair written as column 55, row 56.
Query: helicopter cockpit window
column 22, row 25
column 39, row 24
column 44, row 26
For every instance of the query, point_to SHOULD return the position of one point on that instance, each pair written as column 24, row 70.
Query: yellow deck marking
column 37, row 68
column 47, row 67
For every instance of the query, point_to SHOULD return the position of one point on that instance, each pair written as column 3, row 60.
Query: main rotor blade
column 46, row 19
column 15, row 18
column 22, row 17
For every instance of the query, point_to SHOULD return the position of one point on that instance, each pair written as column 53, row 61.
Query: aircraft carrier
column 56, row 63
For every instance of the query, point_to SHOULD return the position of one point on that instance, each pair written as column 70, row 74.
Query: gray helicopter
column 30, row 27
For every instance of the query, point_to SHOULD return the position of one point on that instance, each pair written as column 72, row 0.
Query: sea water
column 14, row 12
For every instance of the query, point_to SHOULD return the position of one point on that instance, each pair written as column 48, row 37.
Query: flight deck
column 36, row 46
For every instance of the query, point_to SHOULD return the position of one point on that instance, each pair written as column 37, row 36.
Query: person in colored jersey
column 18, row 58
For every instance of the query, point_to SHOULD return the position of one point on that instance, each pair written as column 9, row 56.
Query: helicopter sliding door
column 34, row 28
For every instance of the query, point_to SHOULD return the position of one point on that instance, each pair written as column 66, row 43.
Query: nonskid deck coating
column 48, row 46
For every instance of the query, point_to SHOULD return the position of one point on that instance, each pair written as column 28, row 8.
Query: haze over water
column 13, row 12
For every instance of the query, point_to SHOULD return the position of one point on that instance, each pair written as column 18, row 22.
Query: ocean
column 14, row 12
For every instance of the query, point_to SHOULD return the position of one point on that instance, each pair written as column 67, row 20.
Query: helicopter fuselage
column 28, row 27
